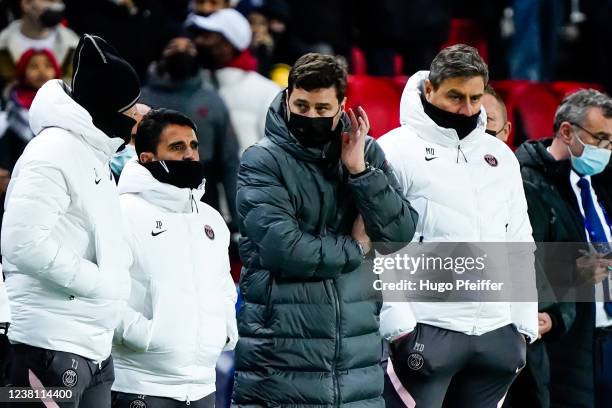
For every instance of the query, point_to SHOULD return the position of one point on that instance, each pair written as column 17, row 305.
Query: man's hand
column 359, row 234
column 592, row 266
column 353, row 142
column 544, row 324
column 5, row 177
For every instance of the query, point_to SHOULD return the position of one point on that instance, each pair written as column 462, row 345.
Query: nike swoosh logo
column 154, row 234
column 98, row 181
column 430, row 158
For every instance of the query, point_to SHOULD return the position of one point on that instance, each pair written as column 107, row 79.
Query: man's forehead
column 595, row 117
column 178, row 133
column 465, row 85
column 315, row 96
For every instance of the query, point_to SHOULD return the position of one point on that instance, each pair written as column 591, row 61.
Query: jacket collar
column 413, row 115
column 136, row 179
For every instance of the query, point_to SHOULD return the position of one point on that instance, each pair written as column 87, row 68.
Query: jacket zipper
column 337, row 396
column 197, row 311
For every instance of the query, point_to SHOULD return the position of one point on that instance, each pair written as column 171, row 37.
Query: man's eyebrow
column 301, row 101
column 323, row 105
column 178, row 142
column 455, row 92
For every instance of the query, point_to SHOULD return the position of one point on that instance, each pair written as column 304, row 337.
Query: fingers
column 364, row 115
column 354, row 122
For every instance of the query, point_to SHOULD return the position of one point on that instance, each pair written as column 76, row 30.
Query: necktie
column 596, row 231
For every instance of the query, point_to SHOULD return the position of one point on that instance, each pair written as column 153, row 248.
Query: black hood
column 278, row 133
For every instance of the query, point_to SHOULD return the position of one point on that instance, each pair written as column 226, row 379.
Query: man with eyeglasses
column 569, row 200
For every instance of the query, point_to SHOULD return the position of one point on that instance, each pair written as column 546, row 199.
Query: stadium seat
column 465, row 31
column 379, row 97
column 564, row 88
column 531, row 108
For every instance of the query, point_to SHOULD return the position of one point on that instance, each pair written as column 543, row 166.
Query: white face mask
column 592, row 161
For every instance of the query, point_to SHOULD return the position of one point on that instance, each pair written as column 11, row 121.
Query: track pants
column 123, row 400
column 90, row 382
column 434, row 367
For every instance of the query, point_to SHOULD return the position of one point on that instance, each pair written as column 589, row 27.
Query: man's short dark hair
column 489, row 90
column 574, row 107
column 457, row 61
column 316, row 71
column 152, row 126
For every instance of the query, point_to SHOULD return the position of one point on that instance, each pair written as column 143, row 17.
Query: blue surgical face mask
column 592, row 161
column 119, row 160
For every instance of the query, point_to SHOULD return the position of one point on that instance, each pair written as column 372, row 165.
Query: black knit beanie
column 103, row 82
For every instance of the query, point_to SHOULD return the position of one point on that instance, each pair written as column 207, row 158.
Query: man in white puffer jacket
column 467, row 187
column 65, row 256
column 181, row 313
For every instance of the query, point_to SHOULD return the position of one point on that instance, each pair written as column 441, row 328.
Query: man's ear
column 565, row 132
column 146, row 157
column 508, row 129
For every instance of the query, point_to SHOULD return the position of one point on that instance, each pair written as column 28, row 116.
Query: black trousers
column 89, row 382
column 123, row 400
column 434, row 367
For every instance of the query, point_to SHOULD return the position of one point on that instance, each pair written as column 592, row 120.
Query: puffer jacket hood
column 278, row 132
column 53, row 107
column 413, row 116
column 136, row 179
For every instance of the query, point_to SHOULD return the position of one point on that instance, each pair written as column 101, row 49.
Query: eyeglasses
column 603, row 142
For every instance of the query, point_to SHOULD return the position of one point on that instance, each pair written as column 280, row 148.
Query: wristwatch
column 4, row 326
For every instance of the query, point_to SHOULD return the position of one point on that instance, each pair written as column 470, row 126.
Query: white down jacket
column 65, row 257
column 181, row 312
column 461, row 197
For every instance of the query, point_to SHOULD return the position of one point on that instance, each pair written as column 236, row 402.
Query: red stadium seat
column 564, row 88
column 359, row 66
column 380, row 97
column 532, row 104
column 465, row 31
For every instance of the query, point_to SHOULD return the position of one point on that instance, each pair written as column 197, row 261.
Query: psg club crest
column 491, row 160
column 70, row 378
column 210, row 233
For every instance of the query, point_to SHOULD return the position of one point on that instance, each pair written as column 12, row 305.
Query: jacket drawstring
column 192, row 201
column 459, row 150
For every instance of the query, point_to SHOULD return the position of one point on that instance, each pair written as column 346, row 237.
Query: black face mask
column 313, row 132
column 180, row 66
column 179, row 173
column 494, row 133
column 206, row 60
column 51, row 16
column 461, row 123
column 115, row 125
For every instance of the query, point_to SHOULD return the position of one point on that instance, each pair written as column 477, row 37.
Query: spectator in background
column 35, row 67
column 569, row 199
column 124, row 155
column 176, row 83
column 39, row 28
column 268, row 19
column 205, row 8
column 497, row 115
column 181, row 312
column 223, row 41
